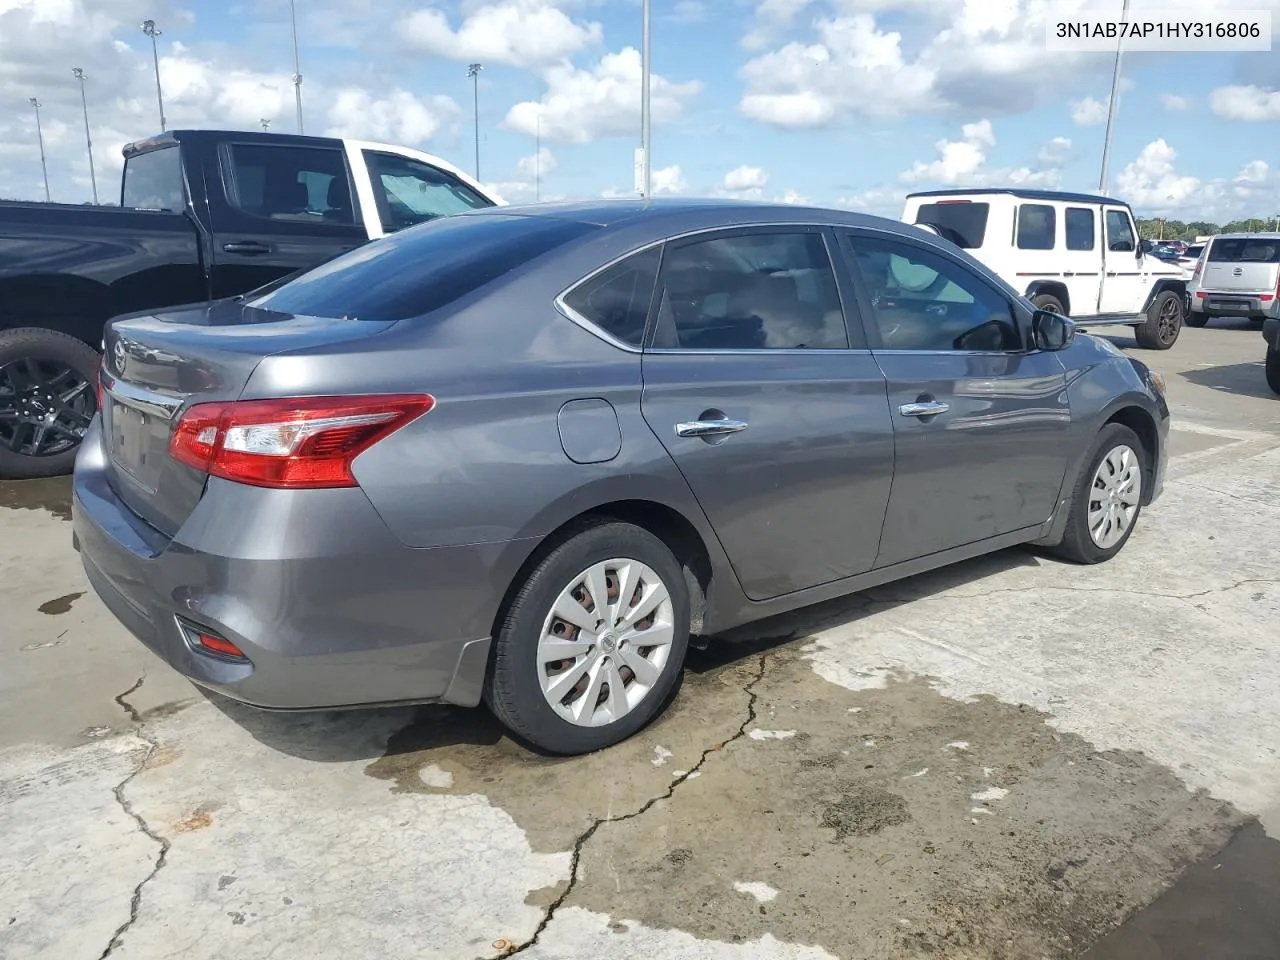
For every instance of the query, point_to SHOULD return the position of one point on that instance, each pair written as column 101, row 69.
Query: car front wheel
column 594, row 642
column 1273, row 369
column 1107, row 499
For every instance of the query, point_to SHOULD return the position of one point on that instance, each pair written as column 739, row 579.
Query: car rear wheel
column 1273, row 370
column 48, row 396
column 1047, row 301
column 593, row 644
column 1107, row 499
column 1194, row 319
column 1164, row 322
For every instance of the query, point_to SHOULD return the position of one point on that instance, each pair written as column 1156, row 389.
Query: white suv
column 1075, row 253
column 1237, row 275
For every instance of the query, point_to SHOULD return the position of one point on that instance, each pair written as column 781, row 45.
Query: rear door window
column 1037, row 226
column 1245, row 250
column 276, row 182
column 1080, row 228
column 961, row 222
column 410, row 192
column 617, row 299
column 153, row 181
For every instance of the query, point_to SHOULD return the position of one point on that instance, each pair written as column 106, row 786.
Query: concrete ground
column 1011, row 758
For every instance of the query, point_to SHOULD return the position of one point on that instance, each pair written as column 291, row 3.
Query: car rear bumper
column 329, row 608
column 1231, row 304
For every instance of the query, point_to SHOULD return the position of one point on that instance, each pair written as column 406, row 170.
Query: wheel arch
column 1054, row 288
column 76, row 306
column 1141, row 422
column 1172, row 284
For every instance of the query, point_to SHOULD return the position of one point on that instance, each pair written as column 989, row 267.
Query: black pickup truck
column 203, row 215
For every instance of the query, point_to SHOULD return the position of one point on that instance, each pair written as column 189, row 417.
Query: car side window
column 923, row 301
column 409, row 191
column 617, row 299
column 1119, row 232
column 290, row 183
column 1037, row 225
column 753, row 291
column 1080, row 232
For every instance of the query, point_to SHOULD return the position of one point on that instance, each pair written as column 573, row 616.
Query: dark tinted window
column 1080, row 228
column 413, row 272
column 290, row 183
column 1245, row 250
column 754, row 291
column 962, row 222
column 922, row 301
column 153, row 181
column 1037, row 223
column 617, row 300
column 409, row 191
column 1119, row 232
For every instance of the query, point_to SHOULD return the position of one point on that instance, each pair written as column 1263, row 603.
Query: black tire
column 1193, row 319
column 1164, row 322
column 1077, row 545
column 1047, row 301
column 44, row 347
column 1273, row 369
column 513, row 691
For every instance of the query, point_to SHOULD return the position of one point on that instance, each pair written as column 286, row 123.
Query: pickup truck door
column 279, row 208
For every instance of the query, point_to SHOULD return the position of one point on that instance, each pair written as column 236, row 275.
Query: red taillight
column 1195, row 274
column 219, row 645
column 291, row 442
column 1200, row 294
column 941, row 202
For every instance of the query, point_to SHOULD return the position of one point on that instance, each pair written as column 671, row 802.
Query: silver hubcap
column 1115, row 496
column 606, row 642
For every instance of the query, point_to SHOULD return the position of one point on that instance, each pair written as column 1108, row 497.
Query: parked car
column 1271, row 333
column 522, row 456
column 1163, row 252
column 202, row 215
column 1187, row 259
column 1075, row 253
column 1238, row 276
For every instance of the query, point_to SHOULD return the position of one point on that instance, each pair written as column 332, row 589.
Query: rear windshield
column 963, row 223
column 1246, row 250
column 416, row 271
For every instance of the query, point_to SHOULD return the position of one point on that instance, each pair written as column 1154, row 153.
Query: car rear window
column 962, row 222
column 1246, row 250
column 416, row 271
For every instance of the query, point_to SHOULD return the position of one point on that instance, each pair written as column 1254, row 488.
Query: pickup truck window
column 153, row 181
column 408, row 191
column 1037, row 225
column 411, row 274
column 1119, row 232
column 290, row 183
column 961, row 222
column 1080, row 234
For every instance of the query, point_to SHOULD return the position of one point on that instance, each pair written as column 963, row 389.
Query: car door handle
column 709, row 428
column 251, row 247
column 924, row 408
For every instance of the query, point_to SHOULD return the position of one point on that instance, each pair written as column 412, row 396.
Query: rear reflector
column 1266, row 297
column 204, row 639
column 292, row 442
column 1200, row 294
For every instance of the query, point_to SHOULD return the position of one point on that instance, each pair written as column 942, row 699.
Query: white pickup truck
column 1075, row 253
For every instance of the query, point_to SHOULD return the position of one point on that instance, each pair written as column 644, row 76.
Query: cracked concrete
column 1009, row 758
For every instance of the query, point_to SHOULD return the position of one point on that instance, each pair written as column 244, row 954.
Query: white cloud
column 1152, row 183
column 581, row 105
column 1089, row 112
column 518, row 33
column 879, row 201
column 668, row 181
column 689, row 11
column 794, row 197
column 399, row 117
column 1245, row 103
column 744, row 178
column 543, row 162
column 771, row 18
column 1055, row 153
column 1175, row 103
column 963, row 162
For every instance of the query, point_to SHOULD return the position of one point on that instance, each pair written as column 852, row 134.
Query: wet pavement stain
column 52, row 494
column 60, row 605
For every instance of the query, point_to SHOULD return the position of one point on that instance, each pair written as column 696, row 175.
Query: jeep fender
column 1055, row 288
column 1160, row 286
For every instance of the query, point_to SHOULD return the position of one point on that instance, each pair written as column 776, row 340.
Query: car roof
column 1021, row 194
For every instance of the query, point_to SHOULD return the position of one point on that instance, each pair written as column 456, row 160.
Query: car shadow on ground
column 339, row 736
column 1242, row 379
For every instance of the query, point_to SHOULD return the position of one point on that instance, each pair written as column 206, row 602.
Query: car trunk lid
column 1246, row 265
column 156, row 366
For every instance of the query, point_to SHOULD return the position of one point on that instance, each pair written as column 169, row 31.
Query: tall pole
column 78, row 73
column 297, row 67
column 473, row 71
column 149, row 28
column 645, row 139
column 40, row 136
column 1111, row 107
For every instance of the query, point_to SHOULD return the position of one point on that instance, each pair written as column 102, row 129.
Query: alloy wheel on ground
column 1169, row 321
column 1115, row 496
column 45, row 407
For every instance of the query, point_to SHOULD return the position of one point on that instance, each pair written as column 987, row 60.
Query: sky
column 849, row 103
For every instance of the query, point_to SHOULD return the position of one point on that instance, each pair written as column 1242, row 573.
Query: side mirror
column 1051, row 331
column 1146, row 246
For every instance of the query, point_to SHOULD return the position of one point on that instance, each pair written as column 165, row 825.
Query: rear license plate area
column 135, row 446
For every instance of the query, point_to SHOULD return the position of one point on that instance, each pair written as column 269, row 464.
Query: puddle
column 60, row 604
column 52, row 494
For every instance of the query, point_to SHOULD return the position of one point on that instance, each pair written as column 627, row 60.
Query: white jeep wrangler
column 1075, row 253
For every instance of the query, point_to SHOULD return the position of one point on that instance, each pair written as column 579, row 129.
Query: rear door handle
column 924, row 408
column 709, row 428
column 251, row 247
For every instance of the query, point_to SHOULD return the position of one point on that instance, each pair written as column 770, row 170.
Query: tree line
column 1157, row 228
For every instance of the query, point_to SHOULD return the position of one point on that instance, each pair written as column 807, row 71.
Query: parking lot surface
column 1008, row 758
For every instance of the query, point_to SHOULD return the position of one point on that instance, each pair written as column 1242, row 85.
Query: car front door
column 980, row 423
column 282, row 208
column 1124, row 286
column 775, row 417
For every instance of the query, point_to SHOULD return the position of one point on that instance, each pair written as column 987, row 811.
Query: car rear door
column 980, row 423
column 1082, row 259
column 773, row 414
column 280, row 207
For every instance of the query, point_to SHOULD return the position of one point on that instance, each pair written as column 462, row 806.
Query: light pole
column 297, row 67
column 645, row 139
column 473, row 71
column 40, row 136
column 265, row 123
column 78, row 73
column 149, row 28
column 1111, row 107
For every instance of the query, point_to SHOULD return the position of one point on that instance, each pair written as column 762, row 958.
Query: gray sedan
column 520, row 455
